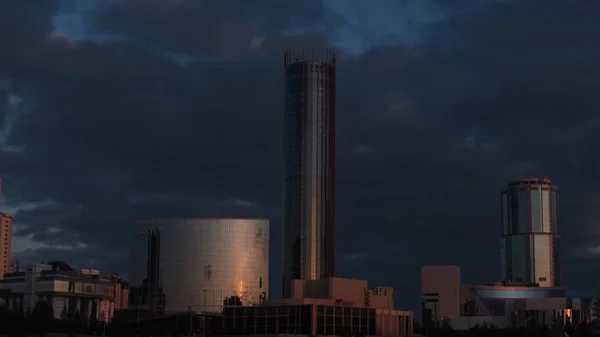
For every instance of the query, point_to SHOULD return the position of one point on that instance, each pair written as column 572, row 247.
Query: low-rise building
column 13, row 266
column 325, row 307
column 446, row 300
column 83, row 292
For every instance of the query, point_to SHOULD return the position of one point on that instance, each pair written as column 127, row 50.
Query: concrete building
column 199, row 265
column 324, row 307
column 309, row 188
column 446, row 300
column 530, row 233
column 13, row 266
column 6, row 263
column 69, row 291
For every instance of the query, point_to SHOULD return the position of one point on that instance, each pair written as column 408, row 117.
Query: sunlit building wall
column 6, row 220
column 309, row 192
column 201, row 264
column 530, row 232
column 5, row 243
column 67, row 290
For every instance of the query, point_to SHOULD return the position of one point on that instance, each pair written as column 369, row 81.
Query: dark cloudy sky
column 116, row 111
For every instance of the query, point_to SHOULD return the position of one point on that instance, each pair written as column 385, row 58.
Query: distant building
column 85, row 291
column 446, row 300
column 199, row 265
column 5, row 243
column 5, row 239
column 530, row 233
column 13, row 266
column 309, row 193
column 324, row 307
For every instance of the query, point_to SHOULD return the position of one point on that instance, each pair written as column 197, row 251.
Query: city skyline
column 107, row 118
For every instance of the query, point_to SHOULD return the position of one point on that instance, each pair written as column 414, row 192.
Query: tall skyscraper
column 5, row 239
column 309, row 193
column 530, row 232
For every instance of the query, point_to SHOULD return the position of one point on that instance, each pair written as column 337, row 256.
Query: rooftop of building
column 199, row 218
column 336, row 291
column 309, row 55
column 60, row 269
column 531, row 181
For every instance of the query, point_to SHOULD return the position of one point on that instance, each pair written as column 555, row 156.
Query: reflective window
column 519, row 258
column 523, row 209
column 208, row 263
column 536, row 210
column 545, row 209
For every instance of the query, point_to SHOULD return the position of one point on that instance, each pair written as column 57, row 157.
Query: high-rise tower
column 309, row 196
column 530, row 232
column 5, row 240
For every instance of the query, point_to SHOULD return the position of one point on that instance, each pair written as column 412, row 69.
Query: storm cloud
column 117, row 111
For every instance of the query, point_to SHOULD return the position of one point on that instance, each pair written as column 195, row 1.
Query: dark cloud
column 177, row 112
column 190, row 26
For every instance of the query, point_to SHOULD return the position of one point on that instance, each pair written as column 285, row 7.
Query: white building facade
column 82, row 292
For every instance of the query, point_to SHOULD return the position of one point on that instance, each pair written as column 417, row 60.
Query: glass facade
column 309, row 193
column 530, row 233
column 202, row 264
column 513, row 301
column 300, row 320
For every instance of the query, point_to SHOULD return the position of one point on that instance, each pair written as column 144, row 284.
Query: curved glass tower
column 201, row 264
column 309, row 193
column 530, row 232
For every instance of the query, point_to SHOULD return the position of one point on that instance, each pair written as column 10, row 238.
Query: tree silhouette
column 42, row 318
column 7, row 321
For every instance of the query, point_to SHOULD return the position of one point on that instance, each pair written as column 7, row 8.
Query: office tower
column 200, row 264
column 309, row 145
column 5, row 239
column 530, row 232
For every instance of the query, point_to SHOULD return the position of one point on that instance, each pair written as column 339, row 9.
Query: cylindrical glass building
column 309, row 194
column 530, row 232
column 201, row 264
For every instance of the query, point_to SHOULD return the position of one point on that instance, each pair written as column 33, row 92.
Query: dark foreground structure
column 309, row 196
column 584, row 330
column 133, row 322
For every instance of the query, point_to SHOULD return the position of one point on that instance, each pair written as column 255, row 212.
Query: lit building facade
column 6, row 263
column 309, row 192
column 323, row 307
column 200, row 264
column 530, row 233
column 83, row 292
